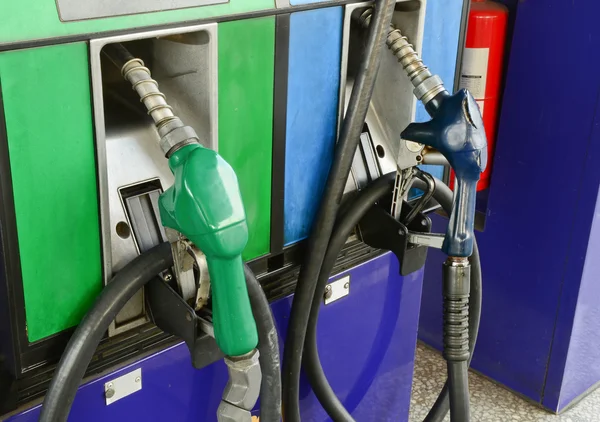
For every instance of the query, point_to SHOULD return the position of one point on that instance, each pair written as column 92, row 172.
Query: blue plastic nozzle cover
column 456, row 130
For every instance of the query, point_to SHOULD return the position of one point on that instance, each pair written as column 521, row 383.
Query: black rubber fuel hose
column 458, row 381
column 268, row 347
column 117, row 54
column 322, row 227
column 87, row 336
column 312, row 365
column 343, row 228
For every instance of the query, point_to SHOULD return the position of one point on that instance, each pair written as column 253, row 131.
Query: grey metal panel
column 144, row 216
column 127, row 150
column 74, row 10
column 393, row 104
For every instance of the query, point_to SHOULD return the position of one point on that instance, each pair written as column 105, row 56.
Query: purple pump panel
column 367, row 341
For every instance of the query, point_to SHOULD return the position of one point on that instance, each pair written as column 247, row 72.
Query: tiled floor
column 489, row 402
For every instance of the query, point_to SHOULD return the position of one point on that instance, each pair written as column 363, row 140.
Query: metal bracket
column 337, row 290
column 191, row 270
column 123, row 386
column 175, row 316
column 432, row 240
column 203, row 291
column 380, row 230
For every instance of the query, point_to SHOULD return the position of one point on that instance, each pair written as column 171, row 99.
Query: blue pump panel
column 312, row 110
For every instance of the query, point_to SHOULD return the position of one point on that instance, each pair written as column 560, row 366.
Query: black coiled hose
column 323, row 225
column 268, row 346
column 344, row 226
column 87, row 336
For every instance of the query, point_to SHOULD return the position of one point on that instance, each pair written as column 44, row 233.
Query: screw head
column 109, row 394
column 168, row 277
column 328, row 292
column 137, row 379
column 109, row 385
column 347, row 285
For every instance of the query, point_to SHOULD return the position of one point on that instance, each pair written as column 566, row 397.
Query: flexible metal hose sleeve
column 268, row 346
column 312, row 364
column 323, row 225
column 87, row 336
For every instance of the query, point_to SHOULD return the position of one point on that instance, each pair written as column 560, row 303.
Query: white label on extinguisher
column 474, row 72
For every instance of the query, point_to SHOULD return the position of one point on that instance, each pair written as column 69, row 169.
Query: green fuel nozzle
column 204, row 204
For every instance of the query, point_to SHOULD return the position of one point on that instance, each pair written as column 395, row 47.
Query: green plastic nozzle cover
column 205, row 205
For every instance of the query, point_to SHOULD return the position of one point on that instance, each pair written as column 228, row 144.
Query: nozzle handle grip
column 460, row 234
column 235, row 329
column 456, row 130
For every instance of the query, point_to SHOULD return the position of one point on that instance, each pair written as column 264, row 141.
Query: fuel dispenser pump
column 204, row 214
column 456, row 132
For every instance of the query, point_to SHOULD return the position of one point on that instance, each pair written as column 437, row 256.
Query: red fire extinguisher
column 482, row 66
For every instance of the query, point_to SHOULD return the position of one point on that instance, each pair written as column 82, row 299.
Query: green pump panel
column 46, row 96
column 246, row 75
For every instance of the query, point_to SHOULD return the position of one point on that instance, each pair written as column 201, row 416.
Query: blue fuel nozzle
column 456, row 130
